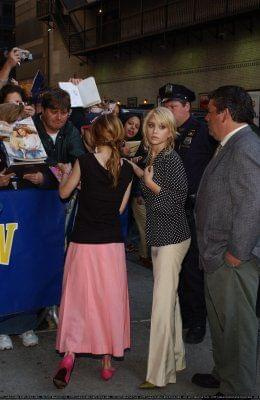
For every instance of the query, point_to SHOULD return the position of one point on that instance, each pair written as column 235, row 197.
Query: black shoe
column 195, row 335
column 205, row 380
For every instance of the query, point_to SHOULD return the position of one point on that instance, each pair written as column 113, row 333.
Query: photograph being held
column 165, row 188
column 26, row 142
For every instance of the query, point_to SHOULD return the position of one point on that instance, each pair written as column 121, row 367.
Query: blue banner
column 31, row 249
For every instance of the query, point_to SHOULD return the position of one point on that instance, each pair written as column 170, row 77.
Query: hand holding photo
column 61, row 169
column 5, row 130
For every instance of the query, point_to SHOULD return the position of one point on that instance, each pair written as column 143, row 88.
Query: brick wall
column 201, row 65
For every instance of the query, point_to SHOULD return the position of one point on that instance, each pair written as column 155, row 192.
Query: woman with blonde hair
column 94, row 311
column 164, row 185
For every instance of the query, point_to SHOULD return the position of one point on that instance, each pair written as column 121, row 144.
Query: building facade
column 7, row 22
column 133, row 48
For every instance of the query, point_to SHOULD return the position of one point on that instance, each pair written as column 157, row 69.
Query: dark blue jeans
column 18, row 323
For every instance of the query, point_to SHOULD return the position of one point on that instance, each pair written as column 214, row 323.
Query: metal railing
column 234, row 6
column 175, row 15
column 181, row 13
column 52, row 10
column 74, row 4
column 44, row 8
column 6, row 21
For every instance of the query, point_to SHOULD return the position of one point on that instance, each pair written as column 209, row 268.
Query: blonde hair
column 24, row 128
column 10, row 112
column 107, row 130
column 165, row 117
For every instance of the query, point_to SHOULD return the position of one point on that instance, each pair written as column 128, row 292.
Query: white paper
column 73, row 91
column 85, row 94
column 89, row 92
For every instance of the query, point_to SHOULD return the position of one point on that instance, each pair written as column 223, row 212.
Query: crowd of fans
column 153, row 186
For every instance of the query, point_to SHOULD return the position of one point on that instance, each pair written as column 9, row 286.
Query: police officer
column 195, row 147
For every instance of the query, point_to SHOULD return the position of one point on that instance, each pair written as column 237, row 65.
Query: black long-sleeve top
column 166, row 221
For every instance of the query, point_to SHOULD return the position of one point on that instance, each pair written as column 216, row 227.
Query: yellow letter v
column 6, row 241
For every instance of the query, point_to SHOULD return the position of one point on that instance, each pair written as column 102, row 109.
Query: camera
column 25, row 55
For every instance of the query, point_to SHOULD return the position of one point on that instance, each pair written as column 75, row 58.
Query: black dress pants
column 191, row 286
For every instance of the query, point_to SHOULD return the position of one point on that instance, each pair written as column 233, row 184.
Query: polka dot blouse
column 166, row 221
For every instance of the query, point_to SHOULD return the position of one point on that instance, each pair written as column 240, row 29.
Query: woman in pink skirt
column 94, row 311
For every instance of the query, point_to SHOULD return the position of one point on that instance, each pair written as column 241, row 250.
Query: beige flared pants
column 166, row 348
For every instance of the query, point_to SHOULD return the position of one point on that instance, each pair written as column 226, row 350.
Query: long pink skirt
column 94, row 312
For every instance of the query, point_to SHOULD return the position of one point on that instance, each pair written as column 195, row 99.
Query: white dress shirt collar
column 230, row 134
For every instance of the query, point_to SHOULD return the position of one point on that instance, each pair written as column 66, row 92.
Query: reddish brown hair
column 107, row 130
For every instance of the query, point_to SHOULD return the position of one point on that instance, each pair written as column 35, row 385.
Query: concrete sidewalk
column 29, row 371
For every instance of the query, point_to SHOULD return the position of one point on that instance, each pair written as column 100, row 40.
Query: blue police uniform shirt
column 196, row 148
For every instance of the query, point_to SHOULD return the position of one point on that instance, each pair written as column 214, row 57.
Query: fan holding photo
column 132, row 123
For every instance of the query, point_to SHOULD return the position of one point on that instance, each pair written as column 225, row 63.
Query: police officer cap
column 176, row 92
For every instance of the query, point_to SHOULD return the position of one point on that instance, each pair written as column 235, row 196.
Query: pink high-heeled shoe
column 62, row 377
column 107, row 373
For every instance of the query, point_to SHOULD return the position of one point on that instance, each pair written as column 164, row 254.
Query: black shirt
column 166, row 221
column 68, row 145
column 97, row 219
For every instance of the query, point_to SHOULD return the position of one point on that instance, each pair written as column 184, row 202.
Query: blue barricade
column 31, row 249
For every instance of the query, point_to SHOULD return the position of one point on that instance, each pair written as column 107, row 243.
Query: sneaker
column 5, row 342
column 29, row 338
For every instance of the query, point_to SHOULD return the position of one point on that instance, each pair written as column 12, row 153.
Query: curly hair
column 8, row 89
